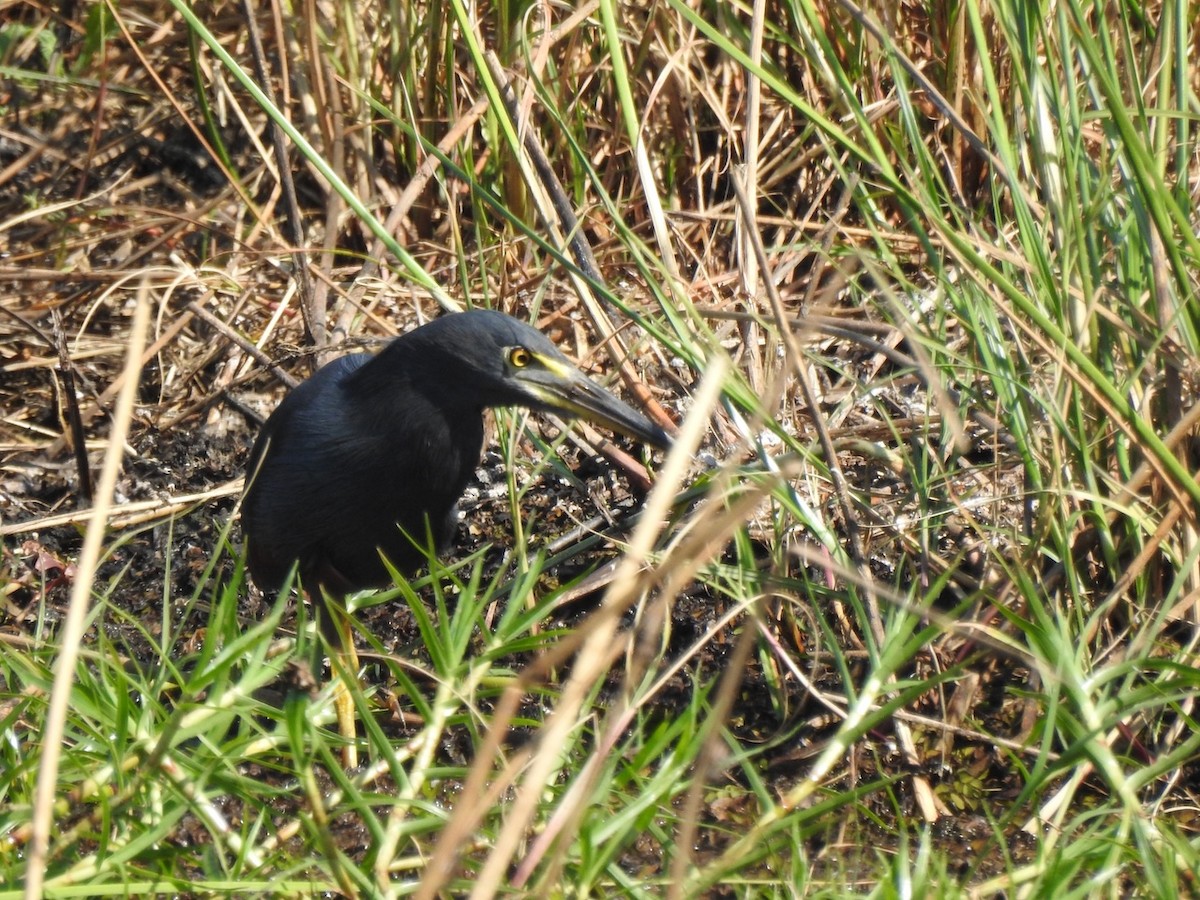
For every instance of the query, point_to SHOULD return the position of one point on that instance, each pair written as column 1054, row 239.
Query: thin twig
column 314, row 317
column 66, row 371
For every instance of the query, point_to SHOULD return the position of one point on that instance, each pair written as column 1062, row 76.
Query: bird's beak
column 565, row 389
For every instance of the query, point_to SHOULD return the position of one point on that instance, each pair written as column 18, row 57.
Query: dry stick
column 576, row 240
column 127, row 514
column 745, row 226
column 29, row 324
column 334, row 207
column 66, row 370
column 321, row 114
column 314, row 317
column 796, row 362
column 244, row 345
column 1172, row 400
column 98, row 128
column 64, row 669
column 24, row 163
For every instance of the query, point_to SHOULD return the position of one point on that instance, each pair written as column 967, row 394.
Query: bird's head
column 505, row 362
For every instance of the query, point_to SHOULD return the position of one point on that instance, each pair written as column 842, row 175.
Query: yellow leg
column 343, row 661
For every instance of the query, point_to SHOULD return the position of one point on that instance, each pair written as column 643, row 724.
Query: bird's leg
column 334, row 624
column 344, row 660
column 346, row 667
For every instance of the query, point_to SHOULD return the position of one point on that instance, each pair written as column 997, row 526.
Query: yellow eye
column 519, row 357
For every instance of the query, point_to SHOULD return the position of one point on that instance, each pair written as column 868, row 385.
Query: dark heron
column 367, row 459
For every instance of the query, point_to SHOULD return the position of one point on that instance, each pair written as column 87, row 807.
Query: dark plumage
column 372, row 453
